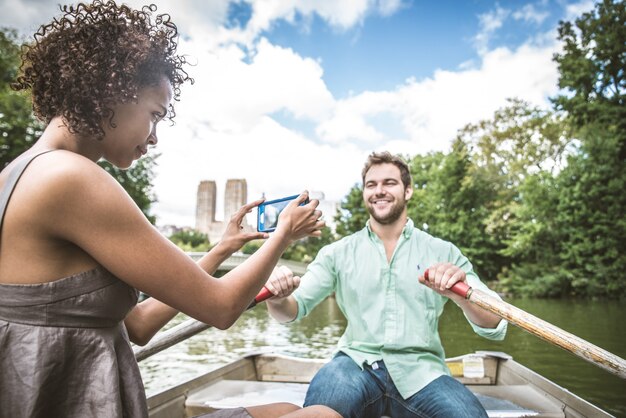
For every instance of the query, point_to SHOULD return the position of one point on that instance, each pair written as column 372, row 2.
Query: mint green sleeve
column 499, row 332
column 317, row 283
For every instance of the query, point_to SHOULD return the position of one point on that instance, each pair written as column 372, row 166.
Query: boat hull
column 506, row 388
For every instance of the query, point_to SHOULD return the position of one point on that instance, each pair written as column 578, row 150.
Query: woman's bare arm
column 87, row 207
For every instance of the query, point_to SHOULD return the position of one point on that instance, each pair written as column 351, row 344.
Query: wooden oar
column 543, row 329
column 185, row 330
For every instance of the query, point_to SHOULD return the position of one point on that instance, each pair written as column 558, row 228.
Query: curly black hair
column 95, row 56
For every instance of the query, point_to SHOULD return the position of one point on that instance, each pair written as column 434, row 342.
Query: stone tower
column 235, row 196
column 205, row 205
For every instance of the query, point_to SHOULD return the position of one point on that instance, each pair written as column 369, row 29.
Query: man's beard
column 392, row 215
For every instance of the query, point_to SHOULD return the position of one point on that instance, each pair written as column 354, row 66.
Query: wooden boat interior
column 504, row 387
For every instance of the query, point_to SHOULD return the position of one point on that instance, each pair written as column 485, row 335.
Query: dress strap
column 12, row 179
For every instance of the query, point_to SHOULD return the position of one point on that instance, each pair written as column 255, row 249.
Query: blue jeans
column 370, row 393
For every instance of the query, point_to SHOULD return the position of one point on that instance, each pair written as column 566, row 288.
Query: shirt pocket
column 422, row 320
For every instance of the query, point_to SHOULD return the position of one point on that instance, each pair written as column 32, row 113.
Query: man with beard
column 390, row 360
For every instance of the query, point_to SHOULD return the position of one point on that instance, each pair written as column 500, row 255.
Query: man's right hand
column 282, row 282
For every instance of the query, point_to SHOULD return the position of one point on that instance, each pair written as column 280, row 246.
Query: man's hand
column 282, row 282
column 441, row 276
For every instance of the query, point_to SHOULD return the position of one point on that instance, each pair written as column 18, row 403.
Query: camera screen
column 268, row 214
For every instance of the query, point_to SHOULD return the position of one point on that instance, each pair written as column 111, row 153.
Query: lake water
column 600, row 323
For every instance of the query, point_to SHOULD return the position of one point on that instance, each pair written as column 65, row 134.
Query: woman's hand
column 234, row 235
column 282, row 282
column 298, row 221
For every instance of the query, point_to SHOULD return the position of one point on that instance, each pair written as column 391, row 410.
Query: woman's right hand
column 298, row 221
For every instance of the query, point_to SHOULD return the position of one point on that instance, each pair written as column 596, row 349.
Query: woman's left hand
column 234, row 235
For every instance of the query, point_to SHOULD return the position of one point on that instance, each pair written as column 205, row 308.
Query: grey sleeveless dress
column 64, row 349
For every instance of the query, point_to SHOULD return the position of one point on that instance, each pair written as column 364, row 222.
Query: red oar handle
column 460, row 288
column 263, row 295
column 260, row 297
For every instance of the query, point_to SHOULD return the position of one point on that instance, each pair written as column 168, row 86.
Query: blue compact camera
column 269, row 210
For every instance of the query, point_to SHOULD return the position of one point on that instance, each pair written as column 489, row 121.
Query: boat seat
column 517, row 401
column 235, row 393
column 513, row 401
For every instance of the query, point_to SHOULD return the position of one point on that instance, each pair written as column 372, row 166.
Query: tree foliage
column 592, row 65
column 592, row 187
column 352, row 215
column 306, row 249
column 191, row 240
column 590, row 215
column 137, row 181
column 19, row 129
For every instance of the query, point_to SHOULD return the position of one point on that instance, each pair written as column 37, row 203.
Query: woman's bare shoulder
column 65, row 185
column 66, row 172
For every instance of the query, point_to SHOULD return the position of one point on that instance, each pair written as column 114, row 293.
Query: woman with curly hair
column 74, row 247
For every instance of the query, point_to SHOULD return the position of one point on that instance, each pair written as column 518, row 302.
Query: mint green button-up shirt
column 391, row 316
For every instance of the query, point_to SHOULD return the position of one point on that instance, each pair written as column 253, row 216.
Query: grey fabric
column 12, row 179
column 227, row 413
column 64, row 350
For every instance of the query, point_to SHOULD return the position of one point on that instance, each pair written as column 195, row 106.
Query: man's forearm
column 478, row 315
column 284, row 309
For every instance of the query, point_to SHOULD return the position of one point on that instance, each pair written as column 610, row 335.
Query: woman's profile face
column 133, row 126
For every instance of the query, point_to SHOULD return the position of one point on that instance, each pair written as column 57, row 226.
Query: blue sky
column 419, row 38
column 294, row 94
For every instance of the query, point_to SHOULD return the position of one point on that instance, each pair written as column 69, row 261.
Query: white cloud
column 339, row 14
column 348, row 121
column 273, row 159
column 528, row 13
column 575, row 10
column 234, row 93
column 26, row 15
column 278, row 161
column 224, row 128
column 432, row 110
column 489, row 23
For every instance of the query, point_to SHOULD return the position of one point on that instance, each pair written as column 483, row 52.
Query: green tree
column 592, row 64
column 506, row 155
column 306, row 249
column 352, row 215
column 592, row 201
column 137, row 181
column 535, row 241
column 591, row 209
column 191, row 240
column 451, row 204
column 19, row 129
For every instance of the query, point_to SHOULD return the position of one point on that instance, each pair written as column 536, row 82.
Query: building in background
column 235, row 196
column 206, row 200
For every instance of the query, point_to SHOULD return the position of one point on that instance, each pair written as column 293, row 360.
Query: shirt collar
column 406, row 231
